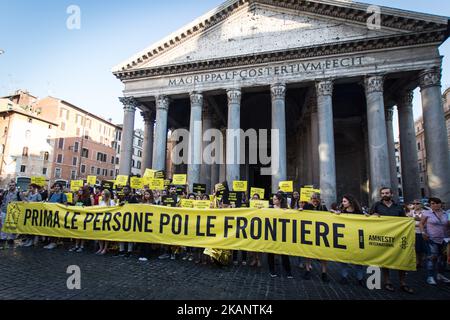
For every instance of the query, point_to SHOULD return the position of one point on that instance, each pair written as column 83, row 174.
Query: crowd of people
column 432, row 228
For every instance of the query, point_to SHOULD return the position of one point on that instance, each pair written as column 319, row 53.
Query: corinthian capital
column 430, row 78
column 278, row 91
column 374, row 84
column 129, row 103
column 148, row 116
column 405, row 99
column 324, row 88
column 234, row 96
column 162, row 103
column 389, row 114
column 196, row 98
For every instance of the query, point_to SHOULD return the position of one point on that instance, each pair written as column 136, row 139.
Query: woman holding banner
column 255, row 257
column 106, row 202
column 279, row 202
column 350, row 205
column 316, row 205
column 144, row 248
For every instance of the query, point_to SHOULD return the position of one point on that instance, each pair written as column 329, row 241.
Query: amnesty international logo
column 404, row 244
column 12, row 217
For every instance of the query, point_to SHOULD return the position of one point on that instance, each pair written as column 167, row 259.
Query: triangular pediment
column 243, row 27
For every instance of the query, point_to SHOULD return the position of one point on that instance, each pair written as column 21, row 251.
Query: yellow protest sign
column 146, row 181
column 92, row 180
column 69, row 196
column 121, row 181
column 306, row 193
column 75, row 185
column 156, row 184
column 202, row 204
column 166, row 183
column 179, row 179
column 40, row 181
column 240, row 186
column 149, row 173
column 386, row 242
column 136, row 183
column 187, row 203
column 259, row 204
column 287, row 186
column 258, row 191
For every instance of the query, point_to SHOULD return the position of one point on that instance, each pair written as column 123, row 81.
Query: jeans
column 435, row 259
column 346, row 268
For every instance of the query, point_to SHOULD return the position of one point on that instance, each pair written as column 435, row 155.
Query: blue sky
column 44, row 57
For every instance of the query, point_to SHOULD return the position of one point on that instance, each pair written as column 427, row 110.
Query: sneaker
column 431, row 281
column 73, row 249
column 143, row 259
column 290, row 276
column 301, row 266
column 79, row 250
column 191, row 258
column 119, row 254
column 441, row 277
column 273, row 275
column 185, row 258
column 307, row 275
column 164, row 256
column 325, row 278
column 244, row 263
column 28, row 243
column 172, row 256
column 51, row 246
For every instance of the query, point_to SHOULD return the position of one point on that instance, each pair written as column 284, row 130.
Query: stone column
column 206, row 170
column 223, row 166
column 324, row 92
column 126, row 151
column 160, row 144
column 391, row 150
column 233, row 137
column 408, row 148
column 195, row 139
column 279, row 166
column 380, row 175
column 436, row 139
column 149, row 127
column 315, row 164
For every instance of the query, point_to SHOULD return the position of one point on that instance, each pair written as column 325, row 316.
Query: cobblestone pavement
column 40, row 274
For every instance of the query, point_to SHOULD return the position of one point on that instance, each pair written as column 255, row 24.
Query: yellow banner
column 69, row 197
column 287, row 186
column 240, row 186
column 92, row 180
column 259, row 204
column 258, row 191
column 306, row 193
column 76, row 185
column 187, row 203
column 40, row 181
column 136, row 183
column 121, row 181
column 156, row 184
column 387, row 242
column 179, row 179
column 202, row 204
column 149, row 173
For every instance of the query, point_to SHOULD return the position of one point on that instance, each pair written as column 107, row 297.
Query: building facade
column 26, row 142
column 313, row 73
column 83, row 144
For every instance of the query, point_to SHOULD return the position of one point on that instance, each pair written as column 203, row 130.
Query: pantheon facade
column 325, row 74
